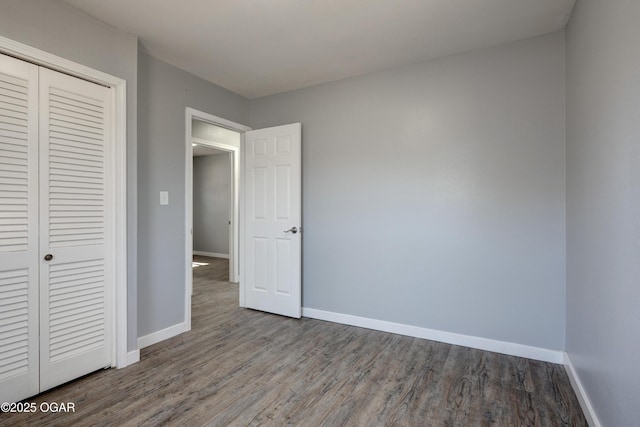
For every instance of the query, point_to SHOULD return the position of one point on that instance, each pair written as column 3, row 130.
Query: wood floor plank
column 242, row 367
column 423, row 378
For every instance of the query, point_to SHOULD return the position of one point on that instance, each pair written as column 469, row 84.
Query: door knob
column 48, row 257
column 292, row 230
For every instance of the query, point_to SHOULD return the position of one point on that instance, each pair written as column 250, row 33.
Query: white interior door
column 75, row 284
column 19, row 364
column 273, row 220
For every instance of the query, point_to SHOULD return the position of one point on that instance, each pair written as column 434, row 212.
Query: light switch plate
column 164, row 197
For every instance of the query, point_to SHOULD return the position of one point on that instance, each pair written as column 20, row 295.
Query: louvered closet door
column 75, row 322
column 18, row 229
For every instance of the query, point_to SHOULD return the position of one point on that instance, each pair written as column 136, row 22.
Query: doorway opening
column 213, row 150
column 212, row 198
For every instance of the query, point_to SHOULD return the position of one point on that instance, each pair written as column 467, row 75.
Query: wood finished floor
column 242, row 367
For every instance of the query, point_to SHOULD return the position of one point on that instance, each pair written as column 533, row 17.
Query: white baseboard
column 513, row 349
column 211, row 254
column 581, row 394
column 162, row 335
column 133, row 357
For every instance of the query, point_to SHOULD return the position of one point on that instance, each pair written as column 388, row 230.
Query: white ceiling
column 257, row 47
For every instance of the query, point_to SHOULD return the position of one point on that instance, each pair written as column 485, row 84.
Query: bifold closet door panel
column 18, row 229
column 75, row 228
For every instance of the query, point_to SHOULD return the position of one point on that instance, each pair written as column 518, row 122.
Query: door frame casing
column 236, row 229
column 120, row 357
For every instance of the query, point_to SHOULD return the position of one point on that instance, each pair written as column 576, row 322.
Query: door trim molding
column 119, row 131
column 236, row 229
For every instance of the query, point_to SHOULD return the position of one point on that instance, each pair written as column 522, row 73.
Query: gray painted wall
column 54, row 27
column 211, row 203
column 603, row 205
column 434, row 194
column 163, row 94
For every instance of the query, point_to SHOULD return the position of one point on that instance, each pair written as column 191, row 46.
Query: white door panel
column 19, row 368
column 75, row 323
column 273, row 206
